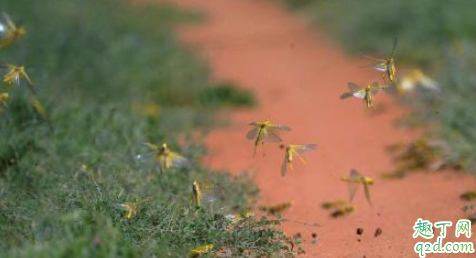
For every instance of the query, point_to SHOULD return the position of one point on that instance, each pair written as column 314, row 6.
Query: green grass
column 434, row 35
column 112, row 77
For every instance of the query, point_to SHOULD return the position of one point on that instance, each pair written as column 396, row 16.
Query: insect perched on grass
column 354, row 180
column 9, row 31
column 366, row 93
column 387, row 66
column 294, row 151
column 14, row 74
column 199, row 250
column 203, row 193
column 413, row 79
column 3, row 100
column 265, row 132
column 276, row 209
column 166, row 158
column 129, row 210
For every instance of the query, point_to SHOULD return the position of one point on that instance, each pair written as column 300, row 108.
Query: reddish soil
column 298, row 76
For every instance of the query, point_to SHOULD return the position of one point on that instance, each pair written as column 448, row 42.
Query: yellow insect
column 343, row 211
column 14, row 74
column 265, row 132
column 387, row 66
column 366, row 93
column 295, row 151
column 9, row 31
column 334, row 204
column 196, row 194
column 276, row 209
column 354, row 180
column 3, row 100
column 167, row 158
column 203, row 194
column 413, row 79
column 199, row 250
column 237, row 217
column 129, row 209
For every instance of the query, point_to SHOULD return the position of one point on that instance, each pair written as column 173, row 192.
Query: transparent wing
column 9, row 21
column 300, row 149
column 367, row 193
column 271, row 136
column 354, row 174
column 284, row 166
column 178, row 160
column 120, row 207
column 151, row 146
column 375, row 88
column 256, row 123
column 353, row 187
column 280, row 127
column 353, row 86
column 253, row 134
column 373, row 58
column 394, row 47
column 381, row 67
column 346, row 95
column 359, row 94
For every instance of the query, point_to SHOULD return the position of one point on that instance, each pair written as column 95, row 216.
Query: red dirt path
column 298, row 75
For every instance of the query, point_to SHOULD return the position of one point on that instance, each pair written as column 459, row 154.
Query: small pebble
column 360, row 231
column 378, row 232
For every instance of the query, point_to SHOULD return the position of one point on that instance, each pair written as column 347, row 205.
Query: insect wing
column 178, row 161
column 269, row 135
column 359, row 94
column 300, row 149
column 381, row 67
column 280, row 127
column 394, row 47
column 253, row 134
column 367, row 193
column 353, row 187
column 353, row 86
column 284, row 166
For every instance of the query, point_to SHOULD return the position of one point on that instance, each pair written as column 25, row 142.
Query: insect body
column 295, row 151
column 167, row 158
column 265, row 132
column 199, row 250
column 366, row 93
column 354, row 180
column 387, row 66
column 14, row 74
column 9, row 31
column 129, row 209
column 196, row 194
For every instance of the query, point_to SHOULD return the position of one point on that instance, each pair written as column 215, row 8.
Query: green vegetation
column 434, row 35
column 111, row 77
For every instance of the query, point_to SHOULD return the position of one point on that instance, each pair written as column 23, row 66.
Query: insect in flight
column 413, row 79
column 265, row 132
column 366, row 93
column 343, row 210
column 3, row 100
column 277, row 208
column 340, row 208
column 295, row 151
column 14, row 74
column 354, row 180
column 9, row 31
column 166, row 157
column 387, row 66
